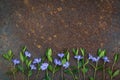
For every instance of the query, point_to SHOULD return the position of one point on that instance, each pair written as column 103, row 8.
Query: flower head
column 106, row 59
column 90, row 57
column 44, row 66
column 32, row 66
column 78, row 57
column 66, row 65
column 36, row 60
column 61, row 55
column 57, row 62
column 15, row 61
column 94, row 59
column 27, row 54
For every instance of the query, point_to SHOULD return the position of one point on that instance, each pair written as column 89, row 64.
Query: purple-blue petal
column 66, row 65
column 44, row 66
column 61, row 55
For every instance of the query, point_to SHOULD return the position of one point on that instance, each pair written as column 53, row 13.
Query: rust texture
column 59, row 24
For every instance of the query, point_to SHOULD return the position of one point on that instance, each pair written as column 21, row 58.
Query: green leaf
column 116, row 57
column 91, row 78
column 64, row 60
column 80, row 64
column 47, row 77
column 22, row 57
column 68, row 56
column 84, row 69
column 49, row 52
column 57, row 69
column 110, row 72
column 50, row 59
column 117, row 72
column 82, row 51
column 99, row 51
column 102, row 53
column 5, row 56
column 24, row 49
column 67, row 71
column 50, row 68
column 8, row 56
column 20, row 68
column 28, row 63
column 75, row 51
column 100, row 67
column 30, row 73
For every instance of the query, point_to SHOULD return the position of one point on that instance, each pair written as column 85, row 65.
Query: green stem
column 62, row 73
column 83, row 76
column 111, row 77
column 53, row 73
column 104, row 71
column 37, row 75
column 95, row 70
column 23, row 73
column 28, row 78
column 71, row 73
column 78, row 69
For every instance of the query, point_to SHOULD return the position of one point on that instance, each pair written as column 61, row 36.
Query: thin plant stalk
column 53, row 72
column 72, row 74
column 62, row 73
column 83, row 76
column 111, row 78
column 28, row 78
column 95, row 70
column 37, row 74
column 104, row 71
column 14, row 74
column 78, row 69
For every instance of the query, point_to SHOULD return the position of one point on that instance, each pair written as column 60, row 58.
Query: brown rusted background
column 59, row 24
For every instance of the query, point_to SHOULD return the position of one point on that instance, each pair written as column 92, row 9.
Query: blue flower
column 33, row 67
column 90, row 57
column 94, row 59
column 78, row 57
column 27, row 54
column 15, row 61
column 66, row 65
column 61, row 55
column 106, row 59
column 44, row 66
column 57, row 62
column 36, row 60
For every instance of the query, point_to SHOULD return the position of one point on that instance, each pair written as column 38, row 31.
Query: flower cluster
column 26, row 65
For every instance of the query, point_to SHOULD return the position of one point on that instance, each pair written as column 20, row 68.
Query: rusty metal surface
column 59, row 24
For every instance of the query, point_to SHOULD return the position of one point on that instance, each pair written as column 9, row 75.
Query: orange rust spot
column 54, row 36
column 39, row 46
column 59, row 9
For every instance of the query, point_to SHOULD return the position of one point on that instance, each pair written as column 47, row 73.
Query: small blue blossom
column 106, row 59
column 32, row 66
column 44, row 66
column 61, row 55
column 57, row 62
column 36, row 60
column 90, row 57
column 66, row 65
column 94, row 59
column 78, row 57
column 27, row 54
column 15, row 61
